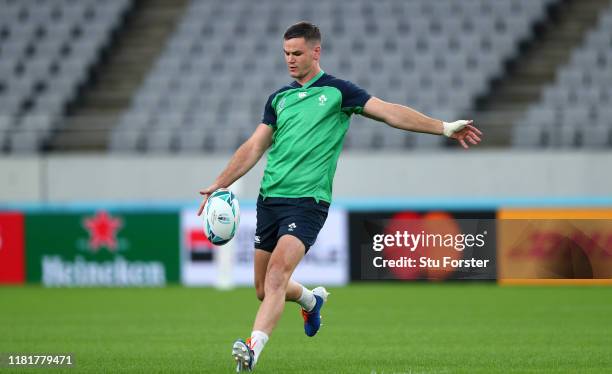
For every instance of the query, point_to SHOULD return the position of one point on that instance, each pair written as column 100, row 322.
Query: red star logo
column 102, row 231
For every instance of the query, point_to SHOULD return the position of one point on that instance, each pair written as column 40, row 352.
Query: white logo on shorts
column 257, row 240
column 292, row 226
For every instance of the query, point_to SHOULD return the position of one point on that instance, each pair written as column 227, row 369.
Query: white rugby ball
column 221, row 216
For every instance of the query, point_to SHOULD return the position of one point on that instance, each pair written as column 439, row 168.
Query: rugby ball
column 221, row 216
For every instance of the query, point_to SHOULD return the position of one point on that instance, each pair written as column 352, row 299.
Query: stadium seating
column 575, row 110
column 208, row 88
column 47, row 48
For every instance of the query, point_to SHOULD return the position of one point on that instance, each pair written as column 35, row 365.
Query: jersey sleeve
column 354, row 97
column 269, row 115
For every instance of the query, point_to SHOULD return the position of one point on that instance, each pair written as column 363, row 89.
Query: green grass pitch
column 368, row 328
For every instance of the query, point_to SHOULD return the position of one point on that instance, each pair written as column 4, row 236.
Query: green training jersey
column 309, row 123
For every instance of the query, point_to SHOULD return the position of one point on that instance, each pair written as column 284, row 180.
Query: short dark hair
column 309, row 31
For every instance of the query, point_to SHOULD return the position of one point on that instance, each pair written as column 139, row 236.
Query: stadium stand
column 206, row 90
column 225, row 58
column 575, row 111
column 47, row 48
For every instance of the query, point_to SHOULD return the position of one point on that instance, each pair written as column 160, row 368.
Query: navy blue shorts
column 277, row 216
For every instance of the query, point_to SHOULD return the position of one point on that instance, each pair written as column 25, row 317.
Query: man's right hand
column 205, row 193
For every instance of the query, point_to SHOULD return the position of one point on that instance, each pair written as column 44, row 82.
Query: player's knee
column 277, row 277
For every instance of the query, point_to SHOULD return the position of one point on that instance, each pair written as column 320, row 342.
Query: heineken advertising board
column 102, row 249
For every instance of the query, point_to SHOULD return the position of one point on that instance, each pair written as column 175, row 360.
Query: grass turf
column 369, row 328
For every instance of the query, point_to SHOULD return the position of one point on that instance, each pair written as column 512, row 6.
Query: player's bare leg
column 273, row 271
column 286, row 256
column 274, row 286
column 310, row 301
column 294, row 289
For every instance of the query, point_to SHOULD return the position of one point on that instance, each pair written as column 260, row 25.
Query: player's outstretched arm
column 242, row 161
column 405, row 118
